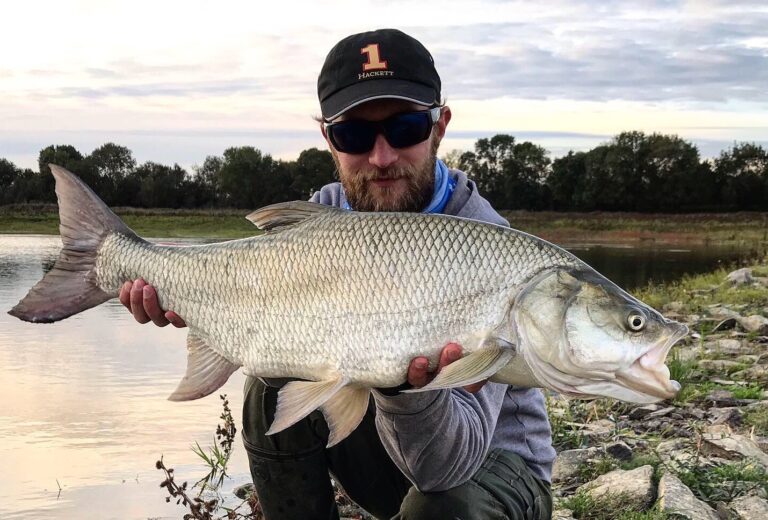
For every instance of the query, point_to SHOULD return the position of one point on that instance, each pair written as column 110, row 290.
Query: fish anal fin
column 298, row 399
column 207, row 371
column 480, row 364
column 284, row 214
column 344, row 411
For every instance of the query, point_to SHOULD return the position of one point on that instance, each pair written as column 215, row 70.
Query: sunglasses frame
column 433, row 114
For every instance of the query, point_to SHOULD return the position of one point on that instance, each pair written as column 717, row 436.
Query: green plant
column 217, row 458
column 607, row 507
column 565, row 435
column 758, row 419
column 751, row 391
column 722, row 483
column 218, row 455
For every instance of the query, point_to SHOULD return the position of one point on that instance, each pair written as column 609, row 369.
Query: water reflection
column 83, row 400
column 83, row 403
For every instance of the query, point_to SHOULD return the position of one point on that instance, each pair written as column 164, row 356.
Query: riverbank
column 703, row 453
column 728, row 228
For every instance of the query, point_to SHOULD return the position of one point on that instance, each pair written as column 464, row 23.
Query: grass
column 214, row 225
column 757, row 419
column 725, row 482
column 730, row 228
column 608, row 507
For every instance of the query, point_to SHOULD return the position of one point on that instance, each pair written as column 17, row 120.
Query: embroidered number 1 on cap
column 374, row 61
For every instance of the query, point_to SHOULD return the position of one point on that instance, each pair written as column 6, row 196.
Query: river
column 84, row 416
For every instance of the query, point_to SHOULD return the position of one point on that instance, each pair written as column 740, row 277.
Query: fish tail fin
column 70, row 287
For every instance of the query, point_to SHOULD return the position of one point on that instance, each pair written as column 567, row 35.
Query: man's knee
column 459, row 503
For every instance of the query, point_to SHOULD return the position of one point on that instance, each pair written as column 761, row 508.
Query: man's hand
column 419, row 374
column 141, row 299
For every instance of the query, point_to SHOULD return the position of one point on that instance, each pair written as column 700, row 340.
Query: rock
column 721, row 398
column 634, row 485
column 568, row 463
column 562, row 514
column 722, row 312
column 599, row 430
column 726, row 324
column 719, row 365
column 725, row 346
column 676, row 499
column 750, row 508
column 755, row 373
column 730, row 416
column 754, row 323
column 642, row 411
column 619, row 451
column 661, row 413
column 244, row 491
column 740, row 276
column 732, row 446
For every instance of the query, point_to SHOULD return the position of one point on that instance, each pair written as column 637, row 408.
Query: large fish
column 342, row 301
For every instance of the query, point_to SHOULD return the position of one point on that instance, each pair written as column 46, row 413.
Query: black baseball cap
column 385, row 63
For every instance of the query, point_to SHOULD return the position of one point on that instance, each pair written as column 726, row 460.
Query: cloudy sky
column 176, row 81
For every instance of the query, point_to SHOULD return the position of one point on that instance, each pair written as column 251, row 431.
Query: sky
column 178, row 81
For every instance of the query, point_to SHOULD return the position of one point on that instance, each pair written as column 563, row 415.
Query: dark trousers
column 290, row 471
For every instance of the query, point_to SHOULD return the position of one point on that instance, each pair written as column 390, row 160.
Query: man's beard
column 363, row 195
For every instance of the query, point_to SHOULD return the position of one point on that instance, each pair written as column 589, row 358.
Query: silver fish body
column 345, row 300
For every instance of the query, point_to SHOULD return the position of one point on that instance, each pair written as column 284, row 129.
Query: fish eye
column 636, row 321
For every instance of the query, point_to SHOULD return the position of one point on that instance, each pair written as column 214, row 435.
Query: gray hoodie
column 439, row 439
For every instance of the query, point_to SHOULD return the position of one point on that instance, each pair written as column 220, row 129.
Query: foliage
column 216, row 458
column 608, row 507
column 633, row 171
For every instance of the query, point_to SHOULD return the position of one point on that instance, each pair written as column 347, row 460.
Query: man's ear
column 442, row 123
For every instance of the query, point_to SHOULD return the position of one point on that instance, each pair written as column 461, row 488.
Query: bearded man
column 479, row 452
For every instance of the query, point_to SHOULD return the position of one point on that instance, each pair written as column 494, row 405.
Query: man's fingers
column 125, row 294
column 175, row 320
column 418, row 372
column 137, row 301
column 450, row 353
column 152, row 307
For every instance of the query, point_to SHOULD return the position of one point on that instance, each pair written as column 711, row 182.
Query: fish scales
column 357, row 293
column 346, row 300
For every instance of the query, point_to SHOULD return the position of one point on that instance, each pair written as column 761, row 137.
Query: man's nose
column 382, row 155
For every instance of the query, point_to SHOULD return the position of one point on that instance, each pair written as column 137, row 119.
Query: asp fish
column 343, row 300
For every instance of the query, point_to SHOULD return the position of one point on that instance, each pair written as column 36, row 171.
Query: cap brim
column 338, row 103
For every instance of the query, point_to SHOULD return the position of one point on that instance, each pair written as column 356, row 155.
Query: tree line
column 634, row 171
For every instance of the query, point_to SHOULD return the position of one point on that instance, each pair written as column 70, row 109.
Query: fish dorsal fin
column 207, row 371
column 298, row 399
column 284, row 214
column 478, row 365
column 344, row 411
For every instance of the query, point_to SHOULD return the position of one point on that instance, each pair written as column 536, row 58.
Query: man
column 481, row 452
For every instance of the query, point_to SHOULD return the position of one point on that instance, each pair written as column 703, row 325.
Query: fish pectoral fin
column 297, row 399
column 472, row 368
column 344, row 411
column 207, row 371
column 284, row 214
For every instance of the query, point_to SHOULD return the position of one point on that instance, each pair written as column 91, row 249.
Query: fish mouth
column 649, row 374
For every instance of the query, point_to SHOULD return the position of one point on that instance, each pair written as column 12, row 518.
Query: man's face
column 387, row 178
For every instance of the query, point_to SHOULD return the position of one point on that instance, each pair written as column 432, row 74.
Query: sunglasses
column 357, row 136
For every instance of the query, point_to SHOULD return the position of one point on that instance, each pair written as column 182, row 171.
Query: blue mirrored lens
column 353, row 136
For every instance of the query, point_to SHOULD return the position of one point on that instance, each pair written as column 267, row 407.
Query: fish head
column 583, row 336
